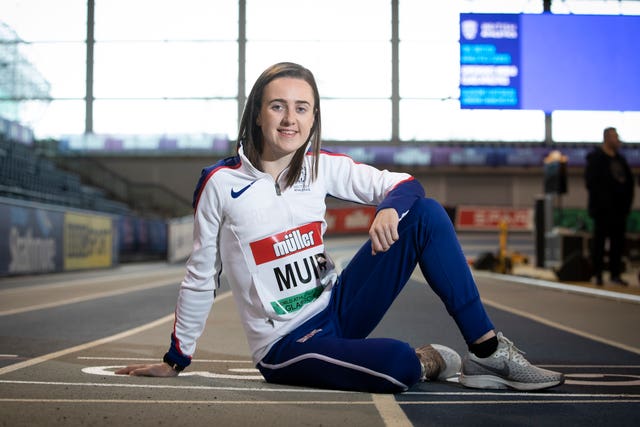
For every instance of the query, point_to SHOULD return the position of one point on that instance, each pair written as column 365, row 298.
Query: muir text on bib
column 291, row 266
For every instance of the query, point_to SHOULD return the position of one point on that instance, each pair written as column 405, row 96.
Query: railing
column 146, row 199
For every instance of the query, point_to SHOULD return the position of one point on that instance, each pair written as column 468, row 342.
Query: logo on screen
column 469, row 29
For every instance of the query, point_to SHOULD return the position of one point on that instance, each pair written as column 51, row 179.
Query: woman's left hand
column 150, row 370
column 384, row 230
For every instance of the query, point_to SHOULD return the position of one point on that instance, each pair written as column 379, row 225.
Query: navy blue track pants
column 331, row 350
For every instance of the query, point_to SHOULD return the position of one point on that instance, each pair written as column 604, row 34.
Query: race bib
column 292, row 268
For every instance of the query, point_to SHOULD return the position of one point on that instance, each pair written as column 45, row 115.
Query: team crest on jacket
column 302, row 184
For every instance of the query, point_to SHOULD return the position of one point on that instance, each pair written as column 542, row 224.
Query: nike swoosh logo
column 236, row 194
column 503, row 371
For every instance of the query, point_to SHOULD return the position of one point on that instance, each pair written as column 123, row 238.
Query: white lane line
column 592, row 366
column 317, row 402
column 519, row 394
column 248, row 361
column 88, row 281
column 417, row 276
column 520, row 402
column 560, row 286
column 312, row 402
column 177, row 387
column 81, row 347
column 561, row 326
column 391, row 413
column 156, row 284
column 196, row 402
column 268, row 389
column 147, row 359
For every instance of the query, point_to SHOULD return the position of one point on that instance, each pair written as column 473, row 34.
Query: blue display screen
column 550, row 62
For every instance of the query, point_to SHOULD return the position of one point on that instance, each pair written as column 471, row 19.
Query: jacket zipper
column 277, row 180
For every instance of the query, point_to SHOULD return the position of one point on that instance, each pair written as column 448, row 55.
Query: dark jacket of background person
column 610, row 185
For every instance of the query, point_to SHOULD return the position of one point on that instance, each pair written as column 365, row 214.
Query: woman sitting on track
column 260, row 214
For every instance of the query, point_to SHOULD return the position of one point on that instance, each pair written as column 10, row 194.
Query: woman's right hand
column 149, row 370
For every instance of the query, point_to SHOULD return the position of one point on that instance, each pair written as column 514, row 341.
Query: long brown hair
column 250, row 135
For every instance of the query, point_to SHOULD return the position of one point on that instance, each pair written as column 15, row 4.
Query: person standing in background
column 610, row 186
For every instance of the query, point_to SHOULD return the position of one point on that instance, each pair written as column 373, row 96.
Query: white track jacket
column 269, row 243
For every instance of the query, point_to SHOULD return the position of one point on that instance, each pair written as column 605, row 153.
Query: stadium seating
column 25, row 175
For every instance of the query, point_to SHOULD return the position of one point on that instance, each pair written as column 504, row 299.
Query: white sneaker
column 506, row 368
column 438, row 362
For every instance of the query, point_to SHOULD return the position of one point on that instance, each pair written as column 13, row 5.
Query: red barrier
column 349, row 220
column 488, row 218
